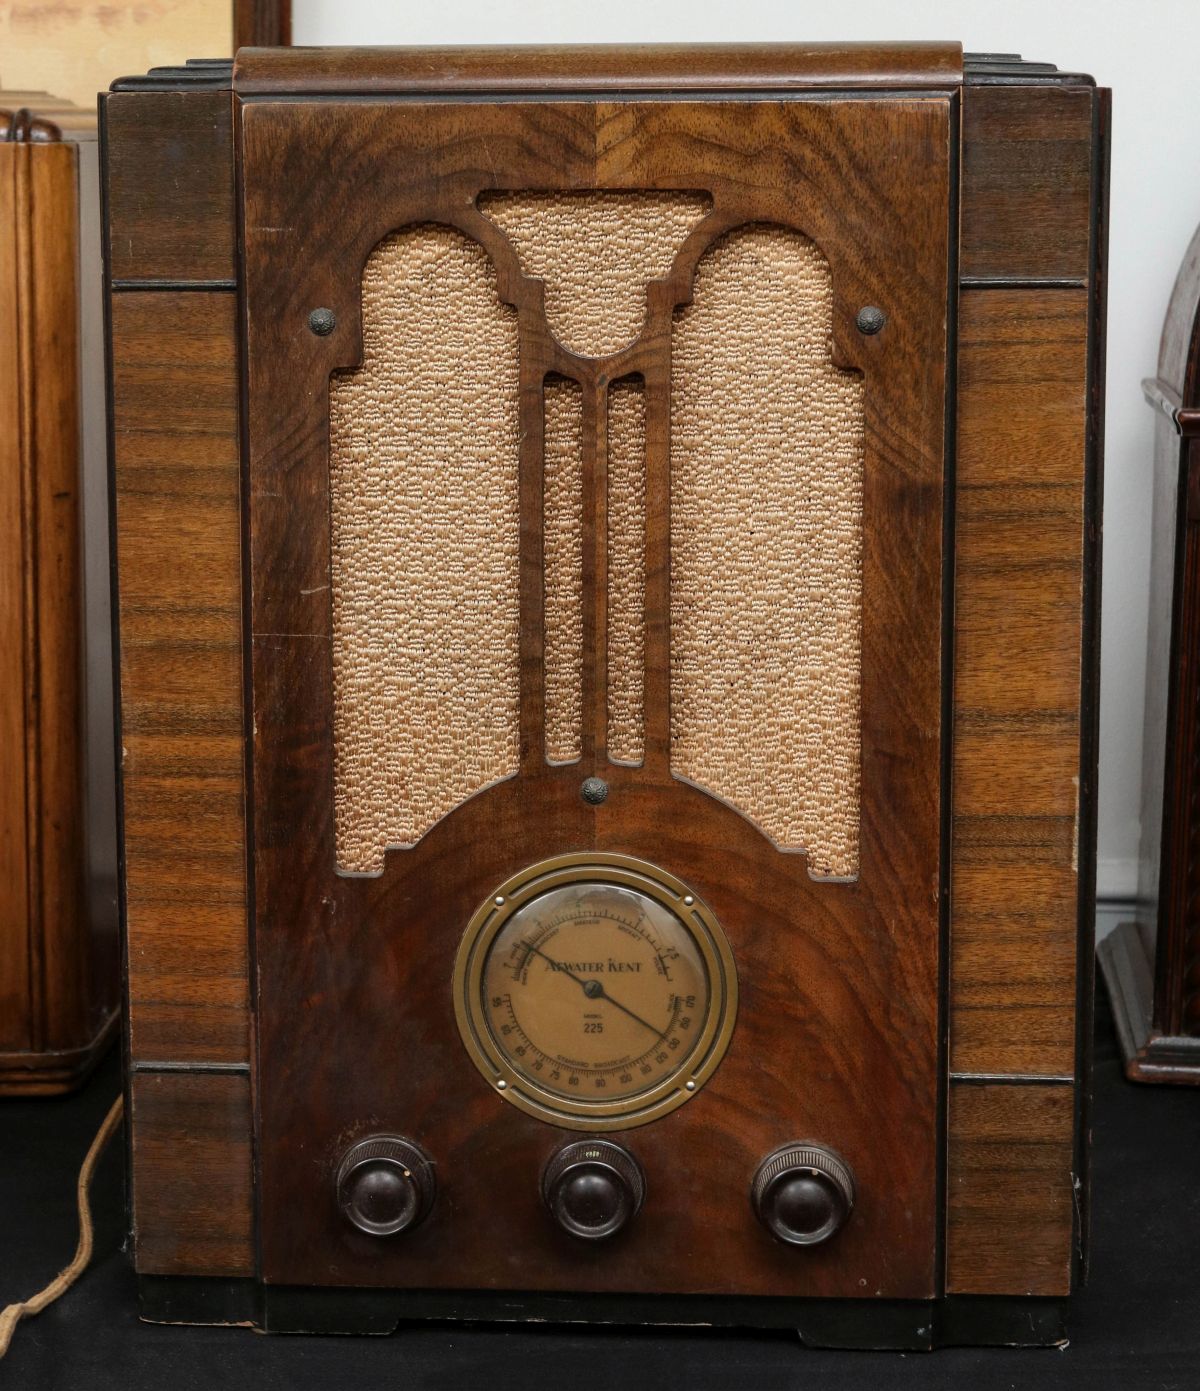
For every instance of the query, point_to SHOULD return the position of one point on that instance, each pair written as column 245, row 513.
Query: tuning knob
column 803, row 1193
column 385, row 1185
column 593, row 1188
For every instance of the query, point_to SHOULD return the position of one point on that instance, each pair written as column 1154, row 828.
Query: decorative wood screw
column 870, row 319
column 322, row 322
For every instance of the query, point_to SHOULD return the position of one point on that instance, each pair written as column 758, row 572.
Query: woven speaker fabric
column 595, row 251
column 767, row 443
column 423, row 446
column 626, row 570
column 562, row 522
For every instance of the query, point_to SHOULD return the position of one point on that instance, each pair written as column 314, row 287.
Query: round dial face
column 595, row 991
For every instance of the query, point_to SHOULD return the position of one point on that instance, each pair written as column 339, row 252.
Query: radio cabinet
column 607, row 617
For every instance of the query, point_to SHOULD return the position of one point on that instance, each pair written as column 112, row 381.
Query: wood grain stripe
column 1018, row 636
column 1010, row 1204
column 178, row 538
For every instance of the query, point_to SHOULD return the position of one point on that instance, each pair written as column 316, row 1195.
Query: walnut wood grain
column 178, row 548
column 170, row 185
column 193, row 1201
column 605, row 68
column 1027, row 181
column 852, row 969
column 1018, row 650
column 57, row 996
column 1010, row 1197
column 264, row 23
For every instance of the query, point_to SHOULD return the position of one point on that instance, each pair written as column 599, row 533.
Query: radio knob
column 385, row 1185
column 593, row 1188
column 803, row 1193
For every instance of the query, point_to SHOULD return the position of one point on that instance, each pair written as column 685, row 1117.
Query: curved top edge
column 37, row 118
column 1179, row 346
column 623, row 68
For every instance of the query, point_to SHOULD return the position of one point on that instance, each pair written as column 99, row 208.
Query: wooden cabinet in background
column 1152, row 965
column 59, row 985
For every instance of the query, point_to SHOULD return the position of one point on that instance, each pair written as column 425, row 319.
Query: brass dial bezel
column 685, row 1080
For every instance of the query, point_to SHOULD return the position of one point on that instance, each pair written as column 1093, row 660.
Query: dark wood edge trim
column 246, row 612
column 627, row 70
column 51, row 1074
column 1128, row 977
column 1089, row 685
column 115, row 621
column 946, row 831
column 1017, row 282
column 172, row 286
column 897, row 1324
column 1012, row 1079
column 196, row 72
column 139, row 1067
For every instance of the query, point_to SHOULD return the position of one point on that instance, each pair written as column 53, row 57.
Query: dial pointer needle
column 597, row 993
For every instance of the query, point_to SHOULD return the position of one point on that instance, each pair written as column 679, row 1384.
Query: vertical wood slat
column 178, row 542
column 15, row 1021
column 1027, row 181
column 1018, row 637
column 193, row 1203
column 45, row 1006
column 1010, row 1199
column 170, row 185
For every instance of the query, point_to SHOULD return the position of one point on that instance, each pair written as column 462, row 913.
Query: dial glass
column 596, row 992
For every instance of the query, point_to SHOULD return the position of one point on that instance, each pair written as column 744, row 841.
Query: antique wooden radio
column 59, row 978
column 1152, row 964
column 607, row 642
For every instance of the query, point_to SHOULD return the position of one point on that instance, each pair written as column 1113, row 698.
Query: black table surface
column 1135, row 1325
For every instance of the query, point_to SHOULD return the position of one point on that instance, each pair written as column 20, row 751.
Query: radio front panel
column 627, row 858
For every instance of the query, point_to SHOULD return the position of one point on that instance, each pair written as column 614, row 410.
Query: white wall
column 1145, row 51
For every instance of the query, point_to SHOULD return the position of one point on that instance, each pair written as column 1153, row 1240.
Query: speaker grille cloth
column 563, row 568
column 767, row 441
column 626, row 569
column 595, row 252
column 423, row 480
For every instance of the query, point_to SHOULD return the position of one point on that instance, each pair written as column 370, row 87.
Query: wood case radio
column 607, row 614
column 1151, row 965
column 59, row 950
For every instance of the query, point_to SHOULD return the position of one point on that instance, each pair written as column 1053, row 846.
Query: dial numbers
column 594, row 988
column 595, row 991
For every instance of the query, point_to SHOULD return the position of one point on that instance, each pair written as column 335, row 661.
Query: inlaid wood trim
column 178, row 518
column 1011, row 1191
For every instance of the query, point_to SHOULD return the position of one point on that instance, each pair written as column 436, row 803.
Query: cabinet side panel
column 193, row 1210
column 1027, row 182
column 175, row 446
column 1010, row 1200
column 170, row 186
column 1018, row 646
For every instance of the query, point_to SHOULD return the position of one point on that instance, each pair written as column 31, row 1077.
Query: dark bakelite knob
column 593, row 1188
column 803, row 1193
column 385, row 1185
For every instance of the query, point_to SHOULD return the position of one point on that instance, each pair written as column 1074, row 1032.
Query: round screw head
column 594, row 790
column 870, row 319
column 322, row 322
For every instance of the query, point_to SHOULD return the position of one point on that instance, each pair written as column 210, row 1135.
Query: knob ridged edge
column 405, row 1155
column 800, row 1158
